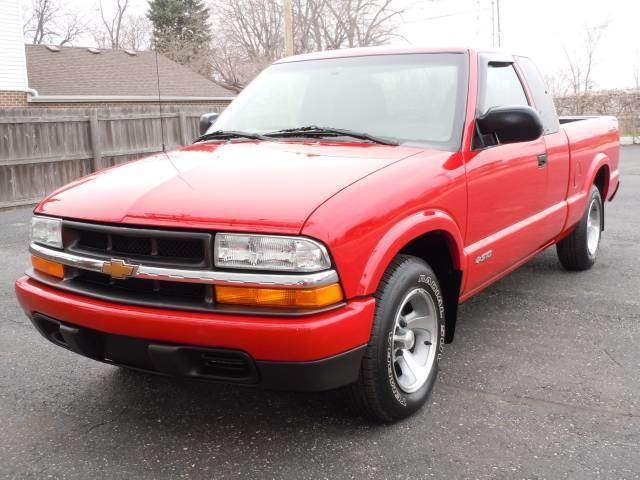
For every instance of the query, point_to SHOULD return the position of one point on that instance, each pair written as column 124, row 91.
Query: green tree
column 181, row 31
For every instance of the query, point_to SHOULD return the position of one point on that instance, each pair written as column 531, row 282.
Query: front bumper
column 273, row 343
column 202, row 363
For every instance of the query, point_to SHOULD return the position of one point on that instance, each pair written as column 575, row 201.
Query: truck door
column 555, row 140
column 506, row 184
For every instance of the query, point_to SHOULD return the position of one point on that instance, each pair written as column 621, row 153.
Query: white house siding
column 13, row 66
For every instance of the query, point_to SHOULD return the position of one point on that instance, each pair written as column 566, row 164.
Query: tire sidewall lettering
column 431, row 286
column 435, row 290
column 400, row 398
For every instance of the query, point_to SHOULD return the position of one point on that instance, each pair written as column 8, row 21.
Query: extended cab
column 324, row 229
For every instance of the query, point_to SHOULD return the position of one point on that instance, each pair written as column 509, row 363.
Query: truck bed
column 577, row 118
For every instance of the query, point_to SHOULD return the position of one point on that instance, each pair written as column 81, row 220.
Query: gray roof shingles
column 75, row 71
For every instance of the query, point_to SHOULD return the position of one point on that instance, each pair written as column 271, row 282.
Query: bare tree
column 249, row 33
column 39, row 22
column 357, row 23
column 580, row 64
column 253, row 25
column 47, row 22
column 108, row 33
column 135, row 32
column 72, row 28
column 557, row 84
column 636, row 73
column 309, row 25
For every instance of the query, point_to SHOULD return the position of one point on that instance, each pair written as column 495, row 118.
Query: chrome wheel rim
column 415, row 340
column 593, row 226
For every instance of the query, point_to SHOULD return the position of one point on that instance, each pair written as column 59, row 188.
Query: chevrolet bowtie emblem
column 119, row 269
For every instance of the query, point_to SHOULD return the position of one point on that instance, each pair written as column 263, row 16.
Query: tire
column 409, row 291
column 575, row 251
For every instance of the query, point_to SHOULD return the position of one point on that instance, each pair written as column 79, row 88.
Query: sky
column 541, row 29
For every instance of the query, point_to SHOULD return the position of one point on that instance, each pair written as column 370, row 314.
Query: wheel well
column 436, row 249
column 601, row 181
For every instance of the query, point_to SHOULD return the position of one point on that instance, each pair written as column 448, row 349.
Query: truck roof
column 388, row 50
column 365, row 51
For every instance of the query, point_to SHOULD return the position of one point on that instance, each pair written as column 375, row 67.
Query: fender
column 577, row 202
column 600, row 160
column 401, row 234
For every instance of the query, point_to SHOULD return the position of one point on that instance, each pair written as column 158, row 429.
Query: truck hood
column 243, row 186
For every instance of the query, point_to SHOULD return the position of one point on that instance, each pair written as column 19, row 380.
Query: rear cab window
column 542, row 99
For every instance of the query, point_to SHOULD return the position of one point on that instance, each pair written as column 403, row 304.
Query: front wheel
column 400, row 363
column 578, row 251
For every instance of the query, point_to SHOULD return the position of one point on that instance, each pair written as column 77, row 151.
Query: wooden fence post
column 94, row 133
column 184, row 135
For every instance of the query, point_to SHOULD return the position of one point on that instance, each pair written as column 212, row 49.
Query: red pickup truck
column 323, row 230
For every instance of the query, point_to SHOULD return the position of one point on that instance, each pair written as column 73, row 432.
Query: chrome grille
column 185, row 250
column 176, row 272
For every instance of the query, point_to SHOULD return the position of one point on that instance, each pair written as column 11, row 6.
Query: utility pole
column 498, row 23
column 493, row 23
column 288, row 28
column 477, row 11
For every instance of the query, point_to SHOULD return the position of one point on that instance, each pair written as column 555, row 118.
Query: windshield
column 408, row 98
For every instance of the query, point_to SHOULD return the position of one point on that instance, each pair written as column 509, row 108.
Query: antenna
column 160, row 102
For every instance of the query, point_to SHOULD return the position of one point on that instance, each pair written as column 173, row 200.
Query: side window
column 502, row 87
column 541, row 97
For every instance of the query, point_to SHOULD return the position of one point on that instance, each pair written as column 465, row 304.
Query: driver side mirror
column 206, row 121
column 511, row 124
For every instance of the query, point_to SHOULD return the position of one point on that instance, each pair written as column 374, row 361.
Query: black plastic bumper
column 203, row 363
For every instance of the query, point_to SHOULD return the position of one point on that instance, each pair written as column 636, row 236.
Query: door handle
column 542, row 160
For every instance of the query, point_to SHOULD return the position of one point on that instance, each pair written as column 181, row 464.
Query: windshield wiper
column 228, row 134
column 315, row 131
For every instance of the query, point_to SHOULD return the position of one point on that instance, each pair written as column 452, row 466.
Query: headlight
column 46, row 231
column 261, row 252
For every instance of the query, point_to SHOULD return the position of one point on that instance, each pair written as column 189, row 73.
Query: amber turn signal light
column 46, row 266
column 280, row 297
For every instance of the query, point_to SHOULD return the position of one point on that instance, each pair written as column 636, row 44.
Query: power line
column 437, row 17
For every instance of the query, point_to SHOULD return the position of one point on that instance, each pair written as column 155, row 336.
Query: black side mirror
column 511, row 124
column 206, row 121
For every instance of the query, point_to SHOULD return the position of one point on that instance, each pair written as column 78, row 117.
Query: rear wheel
column 579, row 250
column 400, row 364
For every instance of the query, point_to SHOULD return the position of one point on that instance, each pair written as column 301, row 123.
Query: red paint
column 265, row 187
column 365, row 202
column 265, row 338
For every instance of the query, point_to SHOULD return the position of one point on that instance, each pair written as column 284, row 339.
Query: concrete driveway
column 542, row 381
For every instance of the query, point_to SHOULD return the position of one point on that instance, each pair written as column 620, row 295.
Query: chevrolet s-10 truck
column 324, row 228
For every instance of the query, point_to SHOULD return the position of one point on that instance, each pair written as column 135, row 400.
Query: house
column 13, row 65
column 86, row 77
column 52, row 76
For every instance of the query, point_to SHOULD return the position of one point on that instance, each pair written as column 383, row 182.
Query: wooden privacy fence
column 43, row 149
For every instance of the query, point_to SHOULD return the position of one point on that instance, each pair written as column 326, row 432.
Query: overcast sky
column 537, row 28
